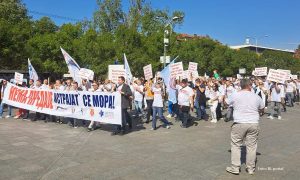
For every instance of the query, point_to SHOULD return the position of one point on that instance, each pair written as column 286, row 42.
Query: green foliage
column 98, row 43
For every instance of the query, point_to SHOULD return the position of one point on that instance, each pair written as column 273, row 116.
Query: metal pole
column 256, row 45
column 165, row 49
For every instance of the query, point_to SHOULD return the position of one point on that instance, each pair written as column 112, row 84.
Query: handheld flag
column 169, row 82
column 32, row 73
column 127, row 70
column 72, row 66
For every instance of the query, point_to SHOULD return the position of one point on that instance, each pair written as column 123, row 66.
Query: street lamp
column 256, row 40
column 166, row 32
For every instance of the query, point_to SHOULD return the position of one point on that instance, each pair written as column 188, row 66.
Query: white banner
column 277, row 76
column 294, row 76
column 193, row 66
column 148, row 72
column 190, row 75
column 86, row 74
column 261, row 71
column 176, row 69
column 115, row 71
column 96, row 106
column 18, row 78
column 286, row 71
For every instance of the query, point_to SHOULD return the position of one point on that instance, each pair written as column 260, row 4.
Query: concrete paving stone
column 57, row 151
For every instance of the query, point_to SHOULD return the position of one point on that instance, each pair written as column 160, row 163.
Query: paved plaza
column 38, row 150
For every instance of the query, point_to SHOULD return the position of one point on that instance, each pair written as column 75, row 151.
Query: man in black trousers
column 126, row 97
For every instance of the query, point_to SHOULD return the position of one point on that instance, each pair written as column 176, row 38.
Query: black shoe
column 45, row 121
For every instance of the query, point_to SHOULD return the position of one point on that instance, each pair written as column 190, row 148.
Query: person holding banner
column 276, row 94
column 2, row 104
column 30, row 86
column 126, row 97
column 94, row 125
column 158, row 106
column 290, row 92
column 38, row 85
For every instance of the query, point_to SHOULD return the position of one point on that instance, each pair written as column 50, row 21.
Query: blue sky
column 228, row 21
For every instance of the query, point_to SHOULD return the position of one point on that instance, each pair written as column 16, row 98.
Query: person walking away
column 290, row 91
column 276, row 93
column 245, row 128
column 229, row 91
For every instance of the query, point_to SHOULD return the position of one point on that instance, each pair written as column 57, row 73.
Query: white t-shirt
column 138, row 96
column 290, row 87
column 276, row 96
column 184, row 95
column 246, row 107
column 158, row 101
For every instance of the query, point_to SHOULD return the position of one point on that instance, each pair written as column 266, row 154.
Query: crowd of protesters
column 203, row 98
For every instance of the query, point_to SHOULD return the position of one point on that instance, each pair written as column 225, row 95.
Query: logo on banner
column 92, row 112
column 101, row 113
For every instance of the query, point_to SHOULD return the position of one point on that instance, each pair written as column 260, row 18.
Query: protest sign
column 193, row 66
column 148, row 72
column 261, row 71
column 96, row 106
column 286, row 71
column 86, row 74
column 18, row 78
column 294, row 76
column 176, row 69
column 277, row 76
column 190, row 75
column 115, row 71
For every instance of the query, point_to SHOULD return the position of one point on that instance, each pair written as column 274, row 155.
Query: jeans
column 229, row 113
column 275, row 106
column 138, row 107
column 159, row 111
column 8, row 107
column 149, row 108
column 170, row 107
column 290, row 98
column 184, row 114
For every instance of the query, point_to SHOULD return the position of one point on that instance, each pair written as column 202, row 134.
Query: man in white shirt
column 245, row 128
column 277, row 92
column 228, row 94
column 290, row 90
column 185, row 101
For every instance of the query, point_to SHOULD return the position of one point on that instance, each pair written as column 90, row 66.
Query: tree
column 109, row 16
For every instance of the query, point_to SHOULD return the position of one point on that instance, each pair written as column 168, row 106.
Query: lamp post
column 166, row 32
column 256, row 40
